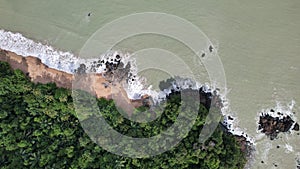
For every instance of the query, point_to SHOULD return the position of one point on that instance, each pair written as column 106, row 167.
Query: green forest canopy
column 39, row 129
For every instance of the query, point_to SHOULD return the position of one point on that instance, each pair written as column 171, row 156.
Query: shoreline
column 24, row 51
column 95, row 84
column 41, row 73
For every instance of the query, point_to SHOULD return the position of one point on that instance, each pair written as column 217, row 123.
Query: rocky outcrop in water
column 272, row 126
column 296, row 127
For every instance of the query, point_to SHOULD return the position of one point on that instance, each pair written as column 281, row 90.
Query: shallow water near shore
column 258, row 42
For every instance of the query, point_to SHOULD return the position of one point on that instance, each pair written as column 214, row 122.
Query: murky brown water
column 258, row 42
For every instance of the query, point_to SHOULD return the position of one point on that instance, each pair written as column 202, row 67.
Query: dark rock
column 271, row 126
column 205, row 98
column 296, row 127
column 210, row 48
column 272, row 110
column 105, row 85
column 81, row 69
column 203, row 54
column 230, row 118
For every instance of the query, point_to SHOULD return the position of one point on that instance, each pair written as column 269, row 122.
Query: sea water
column 258, row 42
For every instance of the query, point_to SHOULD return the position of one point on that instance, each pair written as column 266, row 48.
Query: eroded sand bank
column 95, row 84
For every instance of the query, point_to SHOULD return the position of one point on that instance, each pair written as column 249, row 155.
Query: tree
column 39, row 129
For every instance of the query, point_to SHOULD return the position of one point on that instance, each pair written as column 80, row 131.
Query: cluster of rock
column 211, row 99
column 272, row 126
column 116, row 68
column 206, row 98
column 107, row 63
column 112, row 67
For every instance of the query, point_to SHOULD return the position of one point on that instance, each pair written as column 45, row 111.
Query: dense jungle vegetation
column 39, row 129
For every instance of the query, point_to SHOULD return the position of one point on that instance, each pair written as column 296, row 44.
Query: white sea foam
column 232, row 126
column 289, row 148
column 17, row 43
column 280, row 110
column 231, row 122
column 136, row 86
